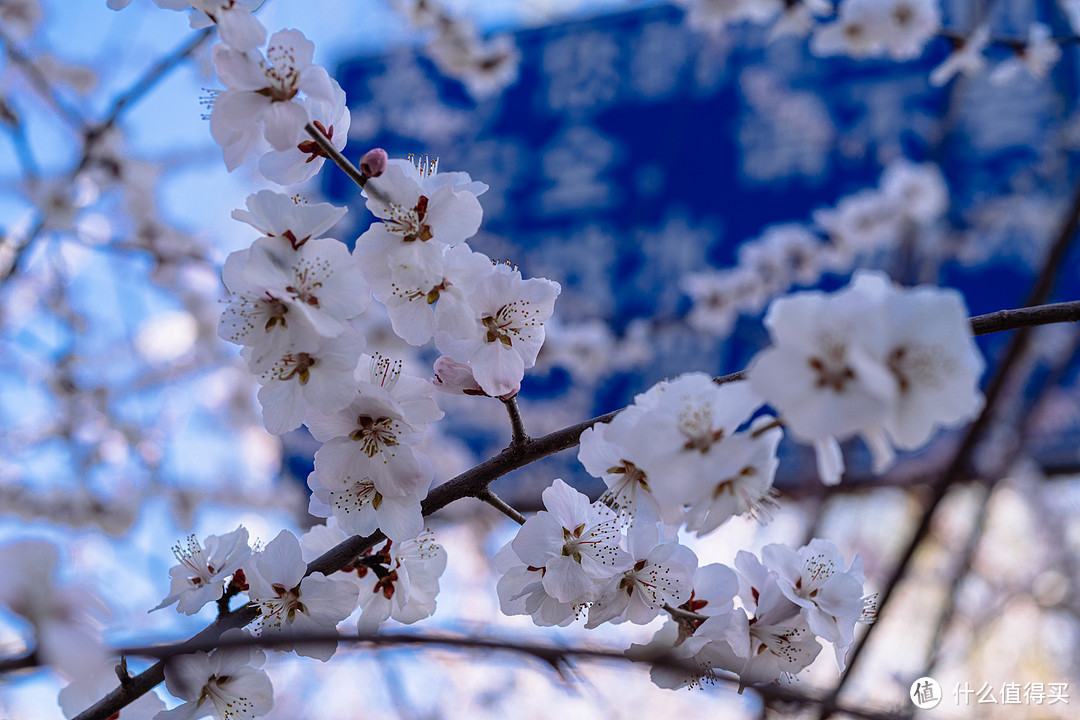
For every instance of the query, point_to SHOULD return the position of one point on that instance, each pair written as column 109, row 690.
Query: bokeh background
column 650, row 166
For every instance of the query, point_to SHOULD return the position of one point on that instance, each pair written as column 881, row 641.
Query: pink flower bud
column 373, row 163
column 455, row 378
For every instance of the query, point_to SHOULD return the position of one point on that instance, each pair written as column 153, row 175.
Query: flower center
column 375, row 433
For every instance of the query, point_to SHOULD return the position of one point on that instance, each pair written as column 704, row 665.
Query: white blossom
column 291, row 602
column 422, row 211
column 360, row 509
column 831, row 598
column 521, row 592
column 200, row 576
column 661, row 575
column 825, row 373
column 741, row 481
column 433, row 296
column 1037, row 58
column 263, row 93
column 301, row 163
column 576, row 543
column 375, row 435
column 319, row 377
column 508, row 329
column 966, row 59
column 400, row 582
column 226, row 683
column 276, row 215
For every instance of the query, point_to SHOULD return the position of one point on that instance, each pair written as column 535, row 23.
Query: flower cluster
column 876, row 360
column 678, row 455
column 906, row 206
column 873, row 360
column 900, row 30
column 572, row 556
column 790, row 599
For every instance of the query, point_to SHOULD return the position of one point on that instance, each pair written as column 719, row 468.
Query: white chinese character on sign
column 1034, row 693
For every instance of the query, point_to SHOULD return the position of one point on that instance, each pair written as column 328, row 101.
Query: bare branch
column 501, row 505
column 519, row 436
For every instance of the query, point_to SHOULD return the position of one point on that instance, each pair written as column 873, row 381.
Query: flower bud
column 373, row 163
column 455, row 378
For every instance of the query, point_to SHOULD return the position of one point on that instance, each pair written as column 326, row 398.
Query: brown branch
column 334, row 154
column 519, row 436
column 552, row 655
column 1026, row 317
column 501, row 505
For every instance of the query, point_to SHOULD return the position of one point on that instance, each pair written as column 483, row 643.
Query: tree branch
column 334, row 154
column 1026, row 317
column 519, row 435
column 501, row 505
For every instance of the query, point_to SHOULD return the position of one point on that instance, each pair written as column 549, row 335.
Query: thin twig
column 501, row 505
column 334, row 154
column 1026, row 317
column 153, row 75
column 519, row 436
column 551, row 655
column 40, row 82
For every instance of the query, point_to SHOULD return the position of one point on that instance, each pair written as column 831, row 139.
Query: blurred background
column 673, row 174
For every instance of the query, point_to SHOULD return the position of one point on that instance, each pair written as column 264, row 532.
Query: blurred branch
column 152, row 76
column 40, row 82
column 1018, row 344
column 551, row 655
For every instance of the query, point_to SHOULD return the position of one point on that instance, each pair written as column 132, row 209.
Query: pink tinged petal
column 539, row 540
column 289, row 167
column 254, row 687
column 498, row 369
column 185, row 675
column 881, row 450
column 301, row 49
column 284, row 123
column 187, row 711
column 317, row 84
column 240, row 29
column 413, row 320
column 565, row 580
column 327, row 426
